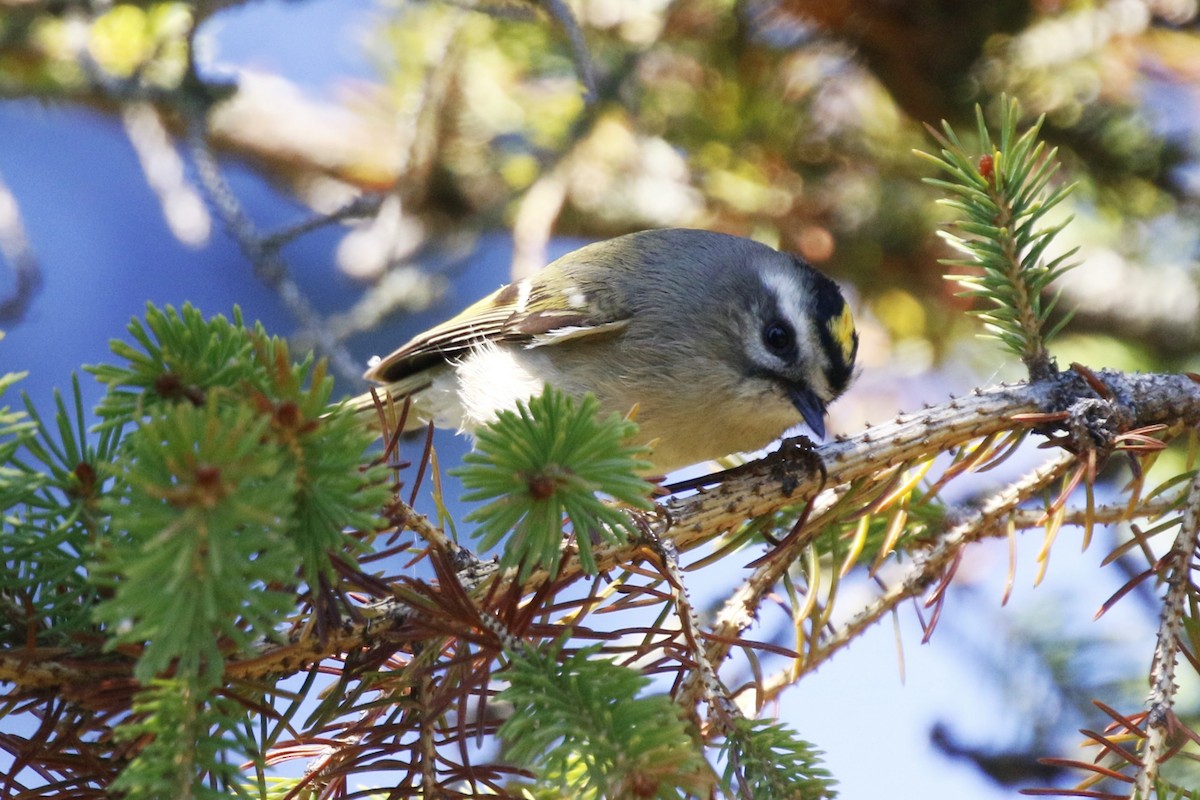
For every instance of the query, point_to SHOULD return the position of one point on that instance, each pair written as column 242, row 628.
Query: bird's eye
column 779, row 338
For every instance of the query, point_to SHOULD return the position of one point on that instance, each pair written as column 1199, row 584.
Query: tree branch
column 1177, row 567
column 762, row 487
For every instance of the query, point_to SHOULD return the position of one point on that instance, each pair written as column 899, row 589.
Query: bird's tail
column 399, row 403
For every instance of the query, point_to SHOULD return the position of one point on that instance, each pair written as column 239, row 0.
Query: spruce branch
column 714, row 693
column 547, row 460
column 175, row 356
column 938, row 562
column 188, row 741
column 1177, row 570
column 582, row 725
column 170, row 537
column 775, row 483
column 1001, row 197
column 768, row 761
column 15, row 429
column 783, row 480
column 763, row 760
column 850, row 461
column 56, row 475
column 197, row 519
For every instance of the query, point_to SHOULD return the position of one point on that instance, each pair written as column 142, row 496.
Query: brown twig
column 1177, row 569
column 932, row 564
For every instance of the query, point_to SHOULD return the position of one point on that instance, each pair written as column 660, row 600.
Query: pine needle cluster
column 206, row 509
column 548, row 460
column 629, row 745
column 1003, row 197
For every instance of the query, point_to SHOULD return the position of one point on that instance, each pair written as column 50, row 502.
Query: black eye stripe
column 779, row 337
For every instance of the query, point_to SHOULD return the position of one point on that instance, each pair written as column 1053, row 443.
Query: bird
column 717, row 344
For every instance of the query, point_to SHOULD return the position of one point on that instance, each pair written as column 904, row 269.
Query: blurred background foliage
column 786, row 120
column 790, row 121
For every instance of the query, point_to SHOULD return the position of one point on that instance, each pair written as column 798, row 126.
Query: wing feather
column 520, row 313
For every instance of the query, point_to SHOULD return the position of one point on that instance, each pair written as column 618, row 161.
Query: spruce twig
column 1001, row 197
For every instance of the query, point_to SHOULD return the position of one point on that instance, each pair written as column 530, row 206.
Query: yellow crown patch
column 842, row 328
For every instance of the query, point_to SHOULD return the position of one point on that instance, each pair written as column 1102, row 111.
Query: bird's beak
column 810, row 407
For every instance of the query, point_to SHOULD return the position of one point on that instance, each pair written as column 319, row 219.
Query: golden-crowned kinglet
column 719, row 343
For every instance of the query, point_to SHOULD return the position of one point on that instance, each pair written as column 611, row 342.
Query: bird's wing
column 524, row 312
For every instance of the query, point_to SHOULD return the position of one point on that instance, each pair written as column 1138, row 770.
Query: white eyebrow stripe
column 788, row 292
column 788, row 297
